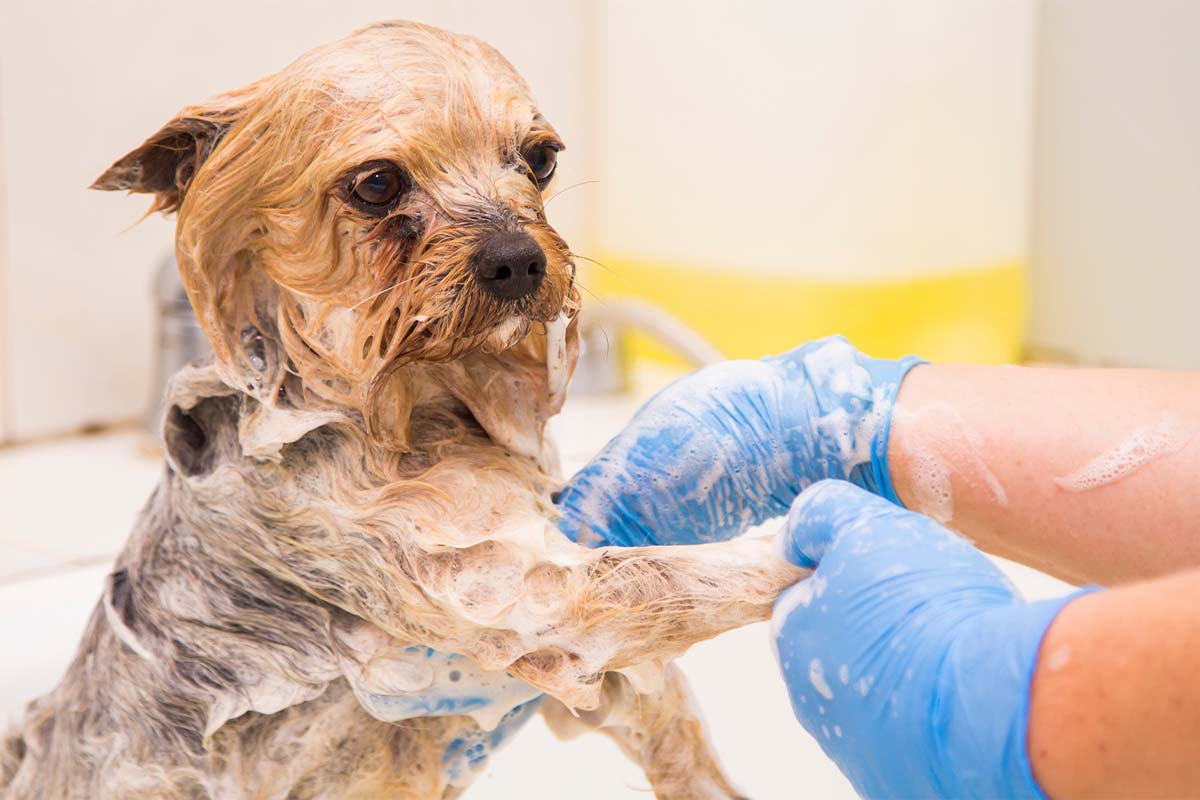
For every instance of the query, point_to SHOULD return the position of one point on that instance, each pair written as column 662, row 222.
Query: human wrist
column 875, row 474
column 983, row 696
column 835, row 414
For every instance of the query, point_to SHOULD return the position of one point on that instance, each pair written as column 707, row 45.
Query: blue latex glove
column 907, row 654
column 733, row 444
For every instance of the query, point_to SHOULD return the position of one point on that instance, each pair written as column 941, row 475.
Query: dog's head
column 375, row 206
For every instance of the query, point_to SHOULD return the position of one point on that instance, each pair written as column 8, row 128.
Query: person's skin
column 1115, row 702
column 1115, row 705
column 1035, row 424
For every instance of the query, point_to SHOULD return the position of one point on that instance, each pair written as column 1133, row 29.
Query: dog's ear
column 233, row 303
column 199, row 439
column 165, row 164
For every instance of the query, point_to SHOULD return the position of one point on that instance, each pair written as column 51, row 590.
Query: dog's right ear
column 166, row 162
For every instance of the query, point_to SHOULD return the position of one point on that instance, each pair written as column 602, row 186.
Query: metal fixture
column 603, row 328
column 179, row 338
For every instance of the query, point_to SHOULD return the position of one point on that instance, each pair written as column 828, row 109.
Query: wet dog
column 349, row 581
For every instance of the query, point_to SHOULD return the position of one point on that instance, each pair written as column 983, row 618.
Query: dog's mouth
column 507, row 333
column 509, row 393
column 516, row 329
column 491, row 327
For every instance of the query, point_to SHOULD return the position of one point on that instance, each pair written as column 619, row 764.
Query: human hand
column 733, row 444
column 907, row 654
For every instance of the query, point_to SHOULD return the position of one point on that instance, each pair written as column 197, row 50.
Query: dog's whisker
column 371, row 297
column 592, row 294
column 602, row 266
column 546, row 202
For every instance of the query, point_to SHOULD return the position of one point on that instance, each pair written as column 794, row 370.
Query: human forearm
column 999, row 452
column 1115, row 708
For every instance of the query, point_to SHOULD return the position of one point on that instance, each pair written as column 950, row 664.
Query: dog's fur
column 361, row 470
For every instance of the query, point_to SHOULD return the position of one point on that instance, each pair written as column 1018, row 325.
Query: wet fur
column 362, row 467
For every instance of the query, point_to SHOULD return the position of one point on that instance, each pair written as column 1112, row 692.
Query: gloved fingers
column 820, row 514
column 634, row 501
column 593, row 515
column 833, row 517
column 695, row 465
column 794, row 358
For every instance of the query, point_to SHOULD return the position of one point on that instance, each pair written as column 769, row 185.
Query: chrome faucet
column 179, row 338
column 603, row 328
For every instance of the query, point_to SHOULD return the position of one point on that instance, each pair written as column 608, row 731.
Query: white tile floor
column 70, row 502
column 66, row 507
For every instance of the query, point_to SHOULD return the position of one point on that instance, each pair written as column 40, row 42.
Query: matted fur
column 362, row 468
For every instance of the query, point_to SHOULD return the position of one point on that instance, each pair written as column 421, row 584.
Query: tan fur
column 362, row 470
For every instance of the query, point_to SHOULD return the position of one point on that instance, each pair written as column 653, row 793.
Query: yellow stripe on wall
column 970, row 315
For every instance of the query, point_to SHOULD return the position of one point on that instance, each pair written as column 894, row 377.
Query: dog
column 349, row 582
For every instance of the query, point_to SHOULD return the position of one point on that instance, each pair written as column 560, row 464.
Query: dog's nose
column 509, row 264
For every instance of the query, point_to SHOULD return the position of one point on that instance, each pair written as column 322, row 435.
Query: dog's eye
column 379, row 188
column 542, row 161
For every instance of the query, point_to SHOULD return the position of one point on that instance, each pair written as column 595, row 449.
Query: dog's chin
column 507, row 333
column 509, row 380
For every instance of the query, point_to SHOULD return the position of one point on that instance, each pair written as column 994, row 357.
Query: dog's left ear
column 165, row 163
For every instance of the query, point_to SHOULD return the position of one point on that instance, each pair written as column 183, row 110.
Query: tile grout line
column 52, row 553
column 57, row 569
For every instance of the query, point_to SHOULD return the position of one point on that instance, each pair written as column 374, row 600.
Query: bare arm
column 1115, row 708
column 1090, row 475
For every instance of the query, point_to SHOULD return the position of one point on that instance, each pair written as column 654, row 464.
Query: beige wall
column 82, row 83
column 1117, row 205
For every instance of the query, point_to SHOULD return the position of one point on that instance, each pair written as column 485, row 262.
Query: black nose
column 509, row 264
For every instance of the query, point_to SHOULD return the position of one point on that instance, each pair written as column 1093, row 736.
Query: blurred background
column 972, row 180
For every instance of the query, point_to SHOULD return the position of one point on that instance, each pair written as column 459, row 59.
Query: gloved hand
column 907, row 654
column 733, row 444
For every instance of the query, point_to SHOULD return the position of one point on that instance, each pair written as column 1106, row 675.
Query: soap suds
column 932, row 495
column 816, row 676
column 422, row 682
column 1059, row 658
column 798, row 596
column 947, row 445
column 1144, row 444
column 558, row 371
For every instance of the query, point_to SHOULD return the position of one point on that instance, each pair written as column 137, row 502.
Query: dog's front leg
column 660, row 731
column 583, row 612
